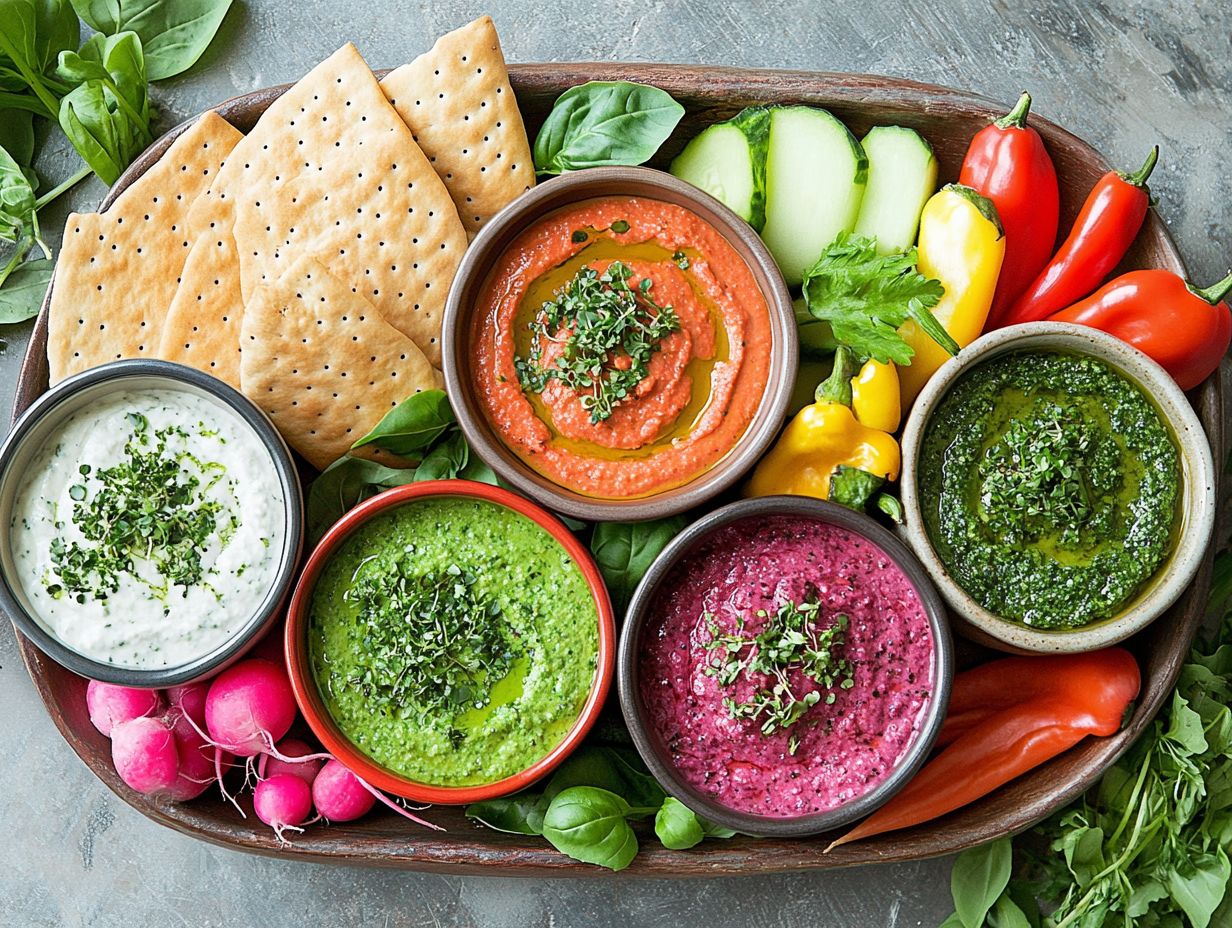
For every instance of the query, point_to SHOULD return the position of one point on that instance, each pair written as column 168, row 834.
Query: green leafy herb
column 790, row 641
column 979, row 877
column 174, row 33
column 591, row 825
column 603, row 123
column 519, row 815
column 413, row 425
column 345, row 484
column 677, row 826
column 619, row 771
column 607, row 331
column 624, row 552
column 435, row 641
column 853, row 487
column 149, row 507
column 865, row 297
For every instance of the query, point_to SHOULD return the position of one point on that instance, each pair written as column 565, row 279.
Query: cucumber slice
column 815, row 177
column 728, row 161
column 902, row 175
column 816, row 337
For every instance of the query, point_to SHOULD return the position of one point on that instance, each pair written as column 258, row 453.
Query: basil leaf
column 853, row 488
column 17, row 219
column 617, row 771
column 445, row 461
column 17, row 130
column 891, row 505
column 33, row 33
column 174, row 33
column 676, row 826
column 605, row 122
column 100, row 136
column 118, row 64
column 590, row 825
column 413, row 425
column 22, row 292
column 345, row 484
column 953, row 921
column 625, row 550
column 1006, row 914
column 979, row 877
column 520, row 815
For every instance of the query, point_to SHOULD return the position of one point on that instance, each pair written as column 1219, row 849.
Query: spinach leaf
column 591, row 825
column 412, row 425
column 1197, row 885
column 625, row 550
column 604, row 122
column 853, row 488
column 520, row 815
column 677, row 826
column 117, row 62
column 23, row 291
column 979, row 877
column 18, row 222
column 345, row 484
column 17, row 130
column 32, row 35
column 174, row 33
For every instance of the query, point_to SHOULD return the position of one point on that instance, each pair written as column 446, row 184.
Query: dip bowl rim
column 330, row 734
column 1196, row 509
column 31, row 429
column 567, row 190
column 648, row 743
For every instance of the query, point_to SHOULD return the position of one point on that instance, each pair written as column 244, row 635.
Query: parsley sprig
column 149, row 507
column 790, row 641
column 609, row 332
column 435, row 644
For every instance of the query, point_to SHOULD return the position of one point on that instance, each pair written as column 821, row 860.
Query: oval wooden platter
column 948, row 119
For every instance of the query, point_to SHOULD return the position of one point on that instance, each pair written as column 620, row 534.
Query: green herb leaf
column 624, row 552
column 102, row 137
column 520, row 815
column 1006, row 914
column 23, row 291
column 591, row 825
column 979, row 877
column 618, row 771
column 412, row 425
column 18, row 223
column 17, row 130
column 1197, row 885
column 677, row 826
column 345, row 484
column 445, row 461
column 865, row 297
column 853, row 487
column 602, row 123
column 174, row 33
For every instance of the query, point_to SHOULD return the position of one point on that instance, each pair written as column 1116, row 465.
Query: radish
column 145, row 754
column 339, row 795
column 197, row 770
column 283, row 801
column 109, row 705
column 249, row 707
column 306, row 770
column 189, row 698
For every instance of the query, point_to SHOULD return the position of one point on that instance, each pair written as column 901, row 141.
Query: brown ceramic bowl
column 649, row 741
column 495, row 238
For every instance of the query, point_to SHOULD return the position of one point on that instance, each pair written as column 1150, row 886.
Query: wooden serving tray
column 948, row 119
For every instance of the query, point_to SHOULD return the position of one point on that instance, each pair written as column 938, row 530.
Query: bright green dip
column 1049, row 485
column 533, row 646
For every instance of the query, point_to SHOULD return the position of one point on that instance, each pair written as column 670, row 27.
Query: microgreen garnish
column 435, row 643
column 148, row 507
column 608, row 331
column 789, row 641
column 579, row 236
column 681, row 259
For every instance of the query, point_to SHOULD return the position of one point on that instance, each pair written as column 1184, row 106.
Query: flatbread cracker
column 378, row 219
column 323, row 363
column 117, row 272
column 457, row 100
column 202, row 328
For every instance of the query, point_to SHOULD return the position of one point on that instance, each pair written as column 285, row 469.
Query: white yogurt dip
column 149, row 528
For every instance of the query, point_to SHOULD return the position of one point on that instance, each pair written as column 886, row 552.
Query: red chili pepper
column 1102, row 233
column 1184, row 329
column 1007, row 163
column 1012, row 715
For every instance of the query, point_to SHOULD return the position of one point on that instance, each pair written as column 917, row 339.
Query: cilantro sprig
column 866, row 296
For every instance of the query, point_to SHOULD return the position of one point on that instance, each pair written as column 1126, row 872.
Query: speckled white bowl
column 1197, row 483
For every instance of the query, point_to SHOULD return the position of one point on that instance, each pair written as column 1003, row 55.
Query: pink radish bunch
column 175, row 744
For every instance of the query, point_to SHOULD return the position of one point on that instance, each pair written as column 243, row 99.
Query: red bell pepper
column 1102, row 233
column 1007, row 163
column 1184, row 329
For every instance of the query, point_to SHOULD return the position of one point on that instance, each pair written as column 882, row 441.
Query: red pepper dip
column 854, row 621
column 546, row 334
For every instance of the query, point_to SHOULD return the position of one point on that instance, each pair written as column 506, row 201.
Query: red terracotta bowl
column 309, row 698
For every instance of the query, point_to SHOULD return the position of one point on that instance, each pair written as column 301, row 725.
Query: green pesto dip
column 1049, row 485
column 453, row 641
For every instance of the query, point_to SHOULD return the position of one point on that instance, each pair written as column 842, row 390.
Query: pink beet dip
column 846, row 743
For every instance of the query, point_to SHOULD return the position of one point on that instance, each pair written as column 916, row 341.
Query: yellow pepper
column 821, row 437
column 875, row 396
column 961, row 245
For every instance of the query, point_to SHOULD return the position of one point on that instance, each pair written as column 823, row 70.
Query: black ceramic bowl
column 629, row 659
column 78, row 392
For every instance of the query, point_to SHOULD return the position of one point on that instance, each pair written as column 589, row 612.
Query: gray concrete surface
column 1124, row 74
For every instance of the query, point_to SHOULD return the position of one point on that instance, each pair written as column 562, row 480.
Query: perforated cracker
column 323, row 363
column 202, row 328
column 457, row 100
column 117, row 272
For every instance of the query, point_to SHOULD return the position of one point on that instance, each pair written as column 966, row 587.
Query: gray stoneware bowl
column 650, row 744
column 567, row 190
column 78, row 392
column 1197, row 507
